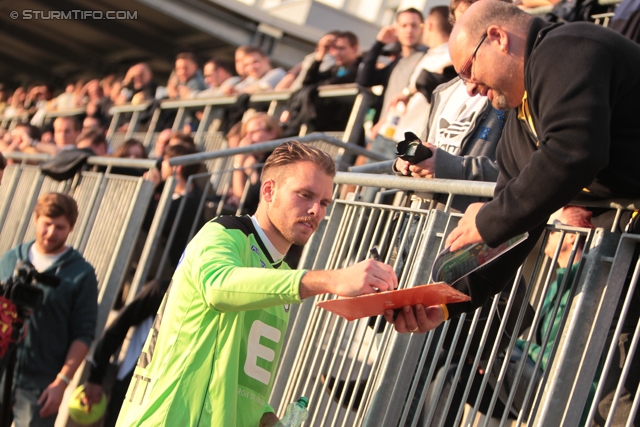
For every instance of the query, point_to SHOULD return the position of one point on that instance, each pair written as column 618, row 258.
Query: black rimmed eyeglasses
column 465, row 73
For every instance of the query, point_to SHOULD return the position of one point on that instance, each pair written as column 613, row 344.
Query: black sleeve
column 428, row 81
column 153, row 206
column 572, row 117
column 145, row 304
column 314, row 76
column 370, row 75
column 185, row 223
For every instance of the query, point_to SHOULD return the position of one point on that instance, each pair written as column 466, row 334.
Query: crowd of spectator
column 409, row 59
column 397, row 62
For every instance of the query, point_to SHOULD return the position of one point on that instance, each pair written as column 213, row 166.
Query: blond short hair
column 292, row 152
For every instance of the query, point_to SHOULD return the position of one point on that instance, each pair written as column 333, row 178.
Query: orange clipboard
column 375, row 304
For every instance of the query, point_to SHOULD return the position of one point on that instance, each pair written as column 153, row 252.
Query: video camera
column 412, row 150
column 19, row 298
column 20, row 289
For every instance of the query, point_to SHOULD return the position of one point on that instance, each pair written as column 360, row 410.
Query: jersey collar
column 273, row 252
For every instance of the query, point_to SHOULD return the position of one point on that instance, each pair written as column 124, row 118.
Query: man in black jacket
column 60, row 330
column 573, row 90
column 139, row 314
column 305, row 106
column 344, row 49
column 185, row 191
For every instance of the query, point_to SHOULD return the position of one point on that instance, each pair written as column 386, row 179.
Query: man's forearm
column 315, row 283
column 364, row 277
column 76, row 354
column 47, row 148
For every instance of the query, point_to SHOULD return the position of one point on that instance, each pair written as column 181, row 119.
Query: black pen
column 376, row 256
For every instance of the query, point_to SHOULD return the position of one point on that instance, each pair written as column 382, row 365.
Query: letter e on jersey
column 255, row 350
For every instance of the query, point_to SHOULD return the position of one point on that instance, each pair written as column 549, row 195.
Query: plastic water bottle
column 393, row 118
column 296, row 413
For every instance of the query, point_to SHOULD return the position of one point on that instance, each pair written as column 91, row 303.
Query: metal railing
column 356, row 373
column 362, row 372
column 602, row 19
column 10, row 122
column 67, row 112
column 111, row 209
column 212, row 109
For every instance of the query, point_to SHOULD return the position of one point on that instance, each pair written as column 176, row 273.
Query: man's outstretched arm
column 365, row 277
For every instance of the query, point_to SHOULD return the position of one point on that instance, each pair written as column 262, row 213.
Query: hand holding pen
column 376, row 256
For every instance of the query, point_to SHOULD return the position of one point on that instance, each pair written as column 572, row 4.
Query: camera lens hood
column 412, row 150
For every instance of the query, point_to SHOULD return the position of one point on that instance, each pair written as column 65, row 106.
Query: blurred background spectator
column 260, row 75
column 219, row 76
column 187, row 78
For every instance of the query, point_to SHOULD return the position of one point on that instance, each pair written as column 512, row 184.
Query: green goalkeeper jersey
column 211, row 356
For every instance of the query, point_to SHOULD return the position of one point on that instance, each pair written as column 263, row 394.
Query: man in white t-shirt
column 433, row 69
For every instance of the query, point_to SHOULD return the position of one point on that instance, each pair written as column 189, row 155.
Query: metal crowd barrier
column 67, row 112
column 206, row 135
column 10, row 122
column 362, row 373
column 359, row 373
column 604, row 18
column 111, row 209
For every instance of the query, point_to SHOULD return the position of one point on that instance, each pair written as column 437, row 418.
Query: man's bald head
column 487, row 48
column 458, row 7
column 483, row 14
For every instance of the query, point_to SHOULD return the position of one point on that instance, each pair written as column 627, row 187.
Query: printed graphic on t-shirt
column 259, row 354
column 450, row 135
column 456, row 119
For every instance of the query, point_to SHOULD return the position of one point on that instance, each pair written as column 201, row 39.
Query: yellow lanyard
column 524, row 114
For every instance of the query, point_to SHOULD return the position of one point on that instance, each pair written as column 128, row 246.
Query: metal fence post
column 7, row 191
column 578, row 353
